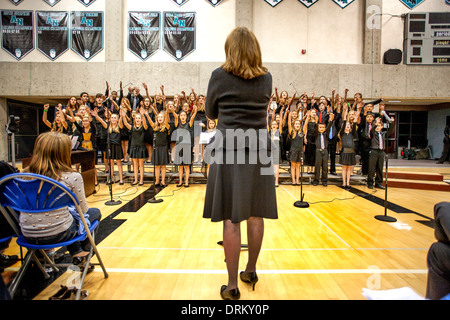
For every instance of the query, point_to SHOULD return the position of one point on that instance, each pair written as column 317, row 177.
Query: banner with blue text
column 52, row 33
column 144, row 29
column 86, row 33
column 17, row 32
column 179, row 34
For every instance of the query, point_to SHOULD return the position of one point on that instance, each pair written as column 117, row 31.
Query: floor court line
column 262, row 249
column 276, row 272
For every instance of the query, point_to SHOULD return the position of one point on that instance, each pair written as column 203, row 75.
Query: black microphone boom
column 153, row 199
column 385, row 217
column 111, row 202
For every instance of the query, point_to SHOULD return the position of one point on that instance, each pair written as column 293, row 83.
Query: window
column 412, row 126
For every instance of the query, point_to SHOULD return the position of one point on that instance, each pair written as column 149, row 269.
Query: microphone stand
column 111, row 202
column 385, row 217
column 301, row 203
column 153, row 199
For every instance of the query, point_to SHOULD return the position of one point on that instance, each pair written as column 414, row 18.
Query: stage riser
column 417, row 185
column 415, row 176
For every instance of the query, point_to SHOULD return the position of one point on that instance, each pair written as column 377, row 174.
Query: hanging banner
column 447, row 2
column 17, row 32
column 273, row 3
column 52, row 33
column 86, row 33
column 214, row 3
column 179, row 34
column 343, row 3
column 411, row 4
column 52, row 2
column 144, row 33
column 180, row 2
column 16, row 2
column 87, row 3
column 308, row 3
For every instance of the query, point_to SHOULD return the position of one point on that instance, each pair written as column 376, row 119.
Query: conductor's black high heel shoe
column 233, row 294
column 249, row 277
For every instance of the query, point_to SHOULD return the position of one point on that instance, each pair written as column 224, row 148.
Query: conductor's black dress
column 240, row 183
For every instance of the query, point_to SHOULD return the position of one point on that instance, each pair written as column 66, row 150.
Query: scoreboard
column 427, row 38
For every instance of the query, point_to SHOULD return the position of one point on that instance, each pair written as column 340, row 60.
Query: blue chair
column 5, row 239
column 33, row 193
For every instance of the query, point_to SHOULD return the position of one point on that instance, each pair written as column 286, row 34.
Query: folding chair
column 33, row 193
column 5, row 239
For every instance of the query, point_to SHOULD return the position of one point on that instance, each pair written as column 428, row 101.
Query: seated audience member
column 438, row 259
column 52, row 158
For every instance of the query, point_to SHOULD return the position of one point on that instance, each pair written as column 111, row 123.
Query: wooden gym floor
column 329, row 251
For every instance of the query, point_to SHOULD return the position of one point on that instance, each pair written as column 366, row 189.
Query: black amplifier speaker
column 393, row 56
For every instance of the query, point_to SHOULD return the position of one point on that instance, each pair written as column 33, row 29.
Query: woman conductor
column 238, row 94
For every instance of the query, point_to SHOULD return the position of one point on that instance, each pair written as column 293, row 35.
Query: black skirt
column 138, row 152
column 183, row 154
column 295, row 155
column 116, row 152
column 237, row 192
column 160, row 155
column 347, row 158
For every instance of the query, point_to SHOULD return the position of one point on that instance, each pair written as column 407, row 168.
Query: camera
column 13, row 124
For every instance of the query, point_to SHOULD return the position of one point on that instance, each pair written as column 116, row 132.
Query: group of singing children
column 310, row 132
column 139, row 128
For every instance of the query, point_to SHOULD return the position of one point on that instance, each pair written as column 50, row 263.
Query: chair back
column 29, row 192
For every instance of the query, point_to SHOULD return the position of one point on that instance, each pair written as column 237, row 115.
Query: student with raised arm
column 283, row 99
column 113, row 147
column 377, row 153
column 296, row 152
column 310, row 142
column 160, row 157
column 138, row 151
column 275, row 130
column 184, row 137
column 59, row 124
column 86, row 133
column 347, row 158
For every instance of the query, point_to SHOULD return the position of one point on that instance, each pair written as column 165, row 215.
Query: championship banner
column 180, row 2
column 214, row 3
column 87, row 3
column 86, row 33
column 17, row 32
column 447, row 2
column 308, row 3
column 344, row 3
column 52, row 33
column 143, row 33
column 52, row 2
column 16, row 2
column 411, row 4
column 273, row 3
column 179, row 34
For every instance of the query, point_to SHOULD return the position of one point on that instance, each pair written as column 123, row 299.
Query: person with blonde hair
column 59, row 124
column 138, row 150
column 114, row 149
column 52, row 158
column 238, row 94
